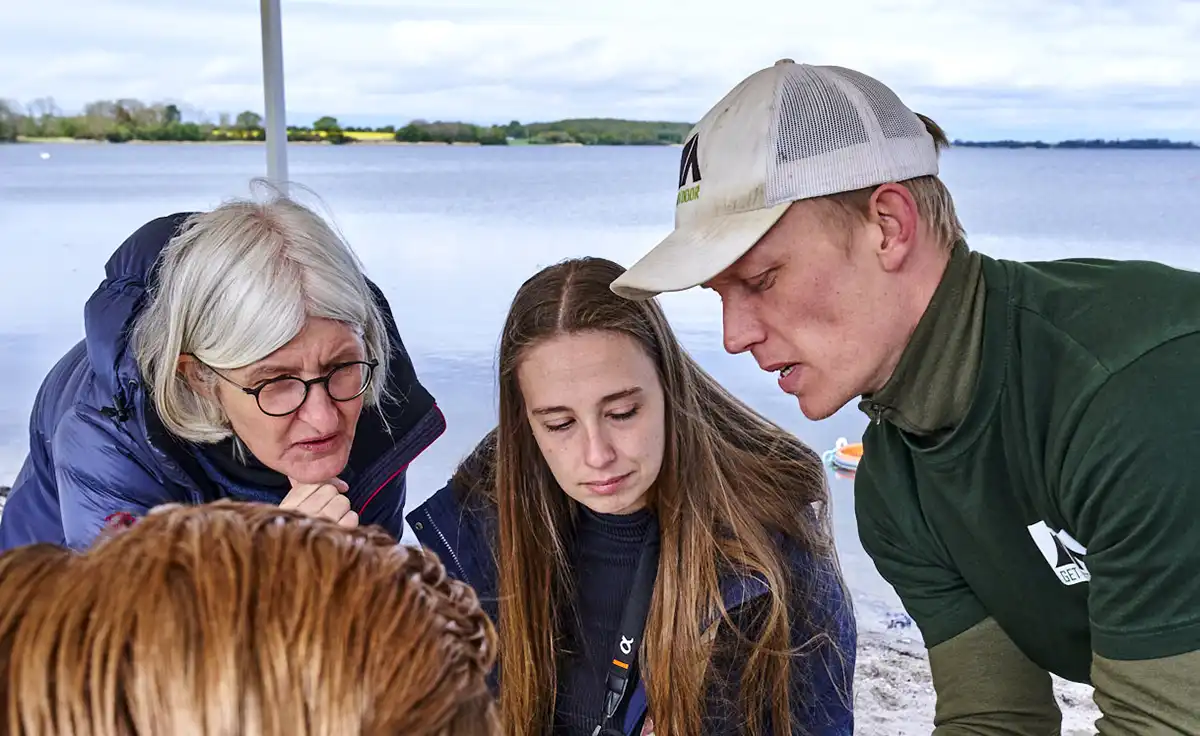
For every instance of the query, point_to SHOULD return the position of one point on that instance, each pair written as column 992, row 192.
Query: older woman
column 239, row 353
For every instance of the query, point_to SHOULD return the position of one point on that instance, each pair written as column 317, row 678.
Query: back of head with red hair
column 228, row 619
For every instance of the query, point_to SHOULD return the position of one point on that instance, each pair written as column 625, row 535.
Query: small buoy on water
column 45, row 155
column 844, row 455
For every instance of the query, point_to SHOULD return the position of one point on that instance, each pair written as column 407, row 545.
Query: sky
column 983, row 70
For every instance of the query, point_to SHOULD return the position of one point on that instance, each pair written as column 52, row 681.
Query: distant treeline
column 118, row 121
column 1136, row 143
column 582, row 131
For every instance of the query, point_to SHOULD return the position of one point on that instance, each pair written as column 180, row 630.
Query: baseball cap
column 785, row 133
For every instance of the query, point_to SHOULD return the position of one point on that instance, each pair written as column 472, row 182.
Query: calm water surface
column 450, row 233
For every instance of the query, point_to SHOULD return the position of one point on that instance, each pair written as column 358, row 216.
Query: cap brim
column 690, row 256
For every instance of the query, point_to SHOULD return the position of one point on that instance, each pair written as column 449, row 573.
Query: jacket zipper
column 876, row 412
column 458, row 565
column 383, row 470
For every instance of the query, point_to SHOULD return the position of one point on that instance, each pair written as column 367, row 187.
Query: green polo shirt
column 1065, row 503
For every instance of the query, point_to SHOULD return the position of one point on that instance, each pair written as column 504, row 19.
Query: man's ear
column 196, row 375
column 899, row 221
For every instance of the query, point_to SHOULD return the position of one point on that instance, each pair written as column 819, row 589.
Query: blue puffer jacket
column 98, row 449
column 460, row 529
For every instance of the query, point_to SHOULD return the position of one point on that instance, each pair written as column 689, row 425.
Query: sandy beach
column 893, row 691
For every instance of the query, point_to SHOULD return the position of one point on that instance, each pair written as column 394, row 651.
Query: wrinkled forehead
column 319, row 342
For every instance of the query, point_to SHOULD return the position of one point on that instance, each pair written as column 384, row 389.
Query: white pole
column 276, row 124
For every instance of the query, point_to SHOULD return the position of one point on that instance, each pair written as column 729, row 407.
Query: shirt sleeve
column 986, row 685
column 1148, row 696
column 1130, row 491
column 909, row 557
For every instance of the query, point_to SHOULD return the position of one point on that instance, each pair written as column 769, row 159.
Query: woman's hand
column 326, row 500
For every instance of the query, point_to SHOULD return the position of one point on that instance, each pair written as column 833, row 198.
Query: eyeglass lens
column 284, row 395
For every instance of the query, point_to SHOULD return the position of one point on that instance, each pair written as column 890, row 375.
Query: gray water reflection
column 450, row 233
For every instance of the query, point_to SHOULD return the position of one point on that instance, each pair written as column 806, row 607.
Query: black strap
column 629, row 636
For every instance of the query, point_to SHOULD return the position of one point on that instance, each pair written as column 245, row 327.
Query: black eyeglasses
column 281, row 396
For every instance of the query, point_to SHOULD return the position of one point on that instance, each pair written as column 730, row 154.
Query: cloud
column 1116, row 68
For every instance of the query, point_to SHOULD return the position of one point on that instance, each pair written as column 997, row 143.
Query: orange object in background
column 844, row 455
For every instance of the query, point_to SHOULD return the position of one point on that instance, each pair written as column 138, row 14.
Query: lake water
column 450, row 233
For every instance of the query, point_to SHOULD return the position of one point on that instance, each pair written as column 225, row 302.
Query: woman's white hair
column 238, row 283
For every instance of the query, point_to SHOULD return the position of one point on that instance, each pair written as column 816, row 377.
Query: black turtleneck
column 251, row 473
column 605, row 557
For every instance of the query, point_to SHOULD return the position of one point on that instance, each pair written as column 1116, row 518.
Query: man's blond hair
column 935, row 205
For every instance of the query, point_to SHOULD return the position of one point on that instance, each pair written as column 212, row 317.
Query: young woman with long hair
column 611, row 440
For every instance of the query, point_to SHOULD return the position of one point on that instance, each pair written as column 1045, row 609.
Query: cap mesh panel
column 886, row 106
column 814, row 118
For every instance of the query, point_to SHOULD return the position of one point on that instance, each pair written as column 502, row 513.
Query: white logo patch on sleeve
column 1062, row 553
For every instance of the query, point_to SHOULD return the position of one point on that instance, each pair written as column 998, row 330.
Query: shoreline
column 523, row 143
column 138, row 142
column 357, row 142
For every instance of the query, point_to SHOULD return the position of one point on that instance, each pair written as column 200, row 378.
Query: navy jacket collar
column 109, row 313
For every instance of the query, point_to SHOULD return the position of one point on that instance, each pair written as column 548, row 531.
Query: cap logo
column 689, row 167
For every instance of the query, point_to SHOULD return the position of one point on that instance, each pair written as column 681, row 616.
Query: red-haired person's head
column 231, row 618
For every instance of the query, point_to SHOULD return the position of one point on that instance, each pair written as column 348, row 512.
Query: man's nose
column 741, row 329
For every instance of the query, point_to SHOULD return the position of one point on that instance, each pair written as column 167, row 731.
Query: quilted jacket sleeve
column 100, row 475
